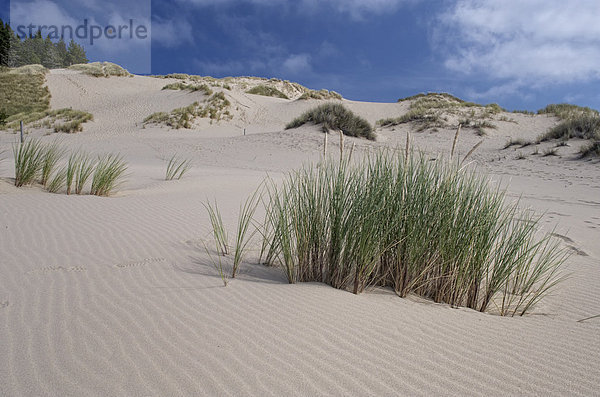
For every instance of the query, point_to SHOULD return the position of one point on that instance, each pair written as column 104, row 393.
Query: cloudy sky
column 522, row 54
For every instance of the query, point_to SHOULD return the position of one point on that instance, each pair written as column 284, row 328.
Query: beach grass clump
column 108, row 174
column 29, row 160
column 189, row 87
column 335, row 116
column 177, row 167
column 583, row 126
column 265, row 90
column 434, row 229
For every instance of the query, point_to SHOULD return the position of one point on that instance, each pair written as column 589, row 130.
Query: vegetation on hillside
column 215, row 108
column 335, row 116
column 432, row 110
column 24, row 97
column 267, row 91
column 576, row 122
column 15, row 52
column 101, row 69
column 189, row 87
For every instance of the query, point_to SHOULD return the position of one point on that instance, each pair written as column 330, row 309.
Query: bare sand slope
column 115, row 296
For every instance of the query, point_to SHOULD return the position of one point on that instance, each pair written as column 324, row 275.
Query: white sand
column 115, row 296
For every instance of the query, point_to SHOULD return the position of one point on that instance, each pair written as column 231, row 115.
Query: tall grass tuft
column 177, row 167
column 29, row 159
column 108, row 174
column 83, row 171
column 219, row 230
column 435, row 229
column 245, row 217
column 57, row 181
column 51, row 155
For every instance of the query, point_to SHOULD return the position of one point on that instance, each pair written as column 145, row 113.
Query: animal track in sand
column 143, row 262
column 3, row 304
column 47, row 269
column 570, row 244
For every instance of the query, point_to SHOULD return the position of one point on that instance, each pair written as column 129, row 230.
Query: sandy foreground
column 116, row 296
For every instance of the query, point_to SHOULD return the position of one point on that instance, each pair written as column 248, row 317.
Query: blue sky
column 520, row 54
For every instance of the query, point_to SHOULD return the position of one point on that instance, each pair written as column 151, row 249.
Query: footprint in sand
column 570, row 244
column 47, row 269
column 143, row 262
column 3, row 304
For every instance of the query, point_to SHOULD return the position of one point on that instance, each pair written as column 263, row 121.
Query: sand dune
column 116, row 296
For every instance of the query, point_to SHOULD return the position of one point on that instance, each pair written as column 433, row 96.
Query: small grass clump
column 189, row 87
column 108, row 174
column 335, row 116
column 434, row 229
column 60, row 120
column 51, row 155
column 517, row 142
column 265, row 90
column 101, row 69
column 320, row 95
column 177, row 167
column 590, row 150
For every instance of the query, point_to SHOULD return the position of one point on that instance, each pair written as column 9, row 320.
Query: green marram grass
column 434, row 229
column 29, row 160
column 22, row 94
column 335, row 116
column 101, row 69
column 265, row 90
column 189, row 87
column 108, row 174
column 177, row 167
column 219, row 231
column 215, row 108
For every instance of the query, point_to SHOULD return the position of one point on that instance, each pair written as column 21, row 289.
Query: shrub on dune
column 267, row 91
column 335, row 116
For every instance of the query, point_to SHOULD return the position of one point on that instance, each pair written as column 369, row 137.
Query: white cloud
column 297, row 63
column 171, row 33
column 524, row 43
column 356, row 8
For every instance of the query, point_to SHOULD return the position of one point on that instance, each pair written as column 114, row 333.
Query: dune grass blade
column 108, row 174
column 83, row 171
column 176, row 168
column 219, row 231
column 218, row 264
column 397, row 220
column 57, row 181
column 28, row 158
column 51, row 155
column 245, row 217
column 71, row 170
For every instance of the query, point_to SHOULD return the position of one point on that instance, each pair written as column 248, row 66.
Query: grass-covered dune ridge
column 576, row 122
column 335, row 116
column 419, row 227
